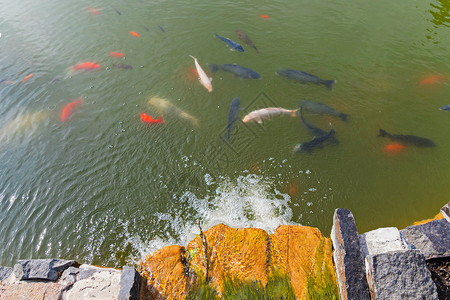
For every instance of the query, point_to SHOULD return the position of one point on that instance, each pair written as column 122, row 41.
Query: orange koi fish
column 68, row 109
column 149, row 120
column 93, row 11
column 134, row 33
column 116, row 54
column 433, row 79
column 86, row 66
column 27, row 77
column 264, row 16
column 394, row 148
column 293, row 190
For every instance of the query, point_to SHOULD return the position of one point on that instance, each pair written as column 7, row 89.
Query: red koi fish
column 264, row 16
column 134, row 33
column 86, row 66
column 394, row 148
column 68, row 109
column 433, row 79
column 293, row 190
column 116, row 54
column 149, row 120
column 93, row 11
column 27, row 77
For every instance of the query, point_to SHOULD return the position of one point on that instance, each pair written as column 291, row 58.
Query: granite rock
column 398, row 275
column 350, row 270
column 5, row 272
column 129, row 284
column 95, row 283
column 44, row 269
column 382, row 240
column 432, row 238
column 445, row 211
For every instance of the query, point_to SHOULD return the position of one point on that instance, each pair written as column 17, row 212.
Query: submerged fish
column 320, row 108
column 27, row 77
column 68, row 109
column 116, row 54
column 204, row 79
column 236, row 70
column 244, row 37
column 232, row 116
column 433, row 79
column 93, row 11
column 118, row 12
column 267, row 113
column 315, row 142
column 408, row 139
column 134, row 33
column 304, row 77
column 232, row 44
column 162, row 29
column 163, row 106
column 394, row 148
column 122, row 66
column 87, row 66
column 445, row 107
column 21, row 123
column 149, row 120
column 315, row 131
column 264, row 16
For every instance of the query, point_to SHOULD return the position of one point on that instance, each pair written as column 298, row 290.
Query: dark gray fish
column 320, row 108
column 118, row 12
column 236, row 70
column 445, row 107
column 315, row 142
column 315, row 131
column 244, row 37
column 304, row 77
column 122, row 66
column 232, row 44
column 232, row 116
column 408, row 139
column 162, row 29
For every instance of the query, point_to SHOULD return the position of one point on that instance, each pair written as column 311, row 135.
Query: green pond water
column 105, row 188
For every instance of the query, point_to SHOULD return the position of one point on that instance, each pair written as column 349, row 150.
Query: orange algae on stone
column 165, row 273
column 437, row 217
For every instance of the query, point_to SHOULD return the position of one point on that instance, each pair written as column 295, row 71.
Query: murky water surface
column 102, row 187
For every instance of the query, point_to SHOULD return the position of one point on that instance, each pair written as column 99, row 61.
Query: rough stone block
column 129, row 284
column 95, row 283
column 45, row 269
column 69, row 276
column 432, row 238
column 381, row 240
column 398, row 275
column 348, row 259
column 4, row 273
column 445, row 211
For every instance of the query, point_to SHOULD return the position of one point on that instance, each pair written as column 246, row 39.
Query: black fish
column 315, row 142
column 162, row 29
column 232, row 44
column 408, row 139
column 445, row 107
column 118, row 12
column 304, row 77
column 320, row 108
column 232, row 116
column 315, row 131
column 122, row 66
column 236, row 70
column 244, row 37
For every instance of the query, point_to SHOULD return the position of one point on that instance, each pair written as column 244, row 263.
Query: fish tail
column 329, row 84
column 256, row 49
column 383, row 133
column 213, row 67
column 192, row 57
column 344, row 117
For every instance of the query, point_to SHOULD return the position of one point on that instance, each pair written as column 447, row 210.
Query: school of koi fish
column 320, row 137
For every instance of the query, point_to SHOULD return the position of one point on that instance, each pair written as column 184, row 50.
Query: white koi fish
column 268, row 113
column 204, row 79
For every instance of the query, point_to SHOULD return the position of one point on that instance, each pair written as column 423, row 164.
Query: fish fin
column 259, row 121
column 210, row 78
column 383, row 133
column 344, row 117
column 295, row 112
column 329, row 84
